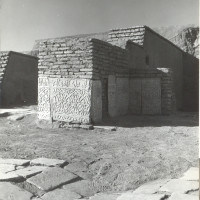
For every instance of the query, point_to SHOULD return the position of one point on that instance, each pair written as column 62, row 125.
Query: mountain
column 187, row 37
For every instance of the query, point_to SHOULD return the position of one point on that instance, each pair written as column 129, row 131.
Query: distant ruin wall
column 190, row 83
column 19, row 86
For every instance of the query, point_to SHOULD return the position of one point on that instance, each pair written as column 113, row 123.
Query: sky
column 24, row 21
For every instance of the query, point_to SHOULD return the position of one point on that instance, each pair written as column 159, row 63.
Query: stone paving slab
column 191, row 175
column 47, row 162
column 102, row 196
column 14, row 161
column 179, row 196
column 178, row 185
column 16, row 117
column 60, row 194
column 52, row 178
column 82, row 187
column 30, row 171
column 132, row 196
column 151, row 187
column 10, row 176
column 9, row 191
column 79, row 168
column 4, row 168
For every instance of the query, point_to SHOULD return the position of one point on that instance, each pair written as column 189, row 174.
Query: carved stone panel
column 43, row 99
column 112, row 87
column 122, row 97
column 96, row 110
column 70, row 99
column 151, row 96
column 135, row 96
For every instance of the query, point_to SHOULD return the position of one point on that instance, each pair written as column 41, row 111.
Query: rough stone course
column 58, row 183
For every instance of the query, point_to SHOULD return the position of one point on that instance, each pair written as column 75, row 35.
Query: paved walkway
column 52, row 179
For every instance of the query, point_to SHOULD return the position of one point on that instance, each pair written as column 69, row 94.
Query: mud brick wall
column 168, row 92
column 119, row 37
column 168, row 102
column 61, row 58
column 136, row 55
column 108, row 60
column 162, row 52
column 190, row 83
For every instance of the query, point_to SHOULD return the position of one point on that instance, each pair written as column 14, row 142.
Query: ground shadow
column 189, row 119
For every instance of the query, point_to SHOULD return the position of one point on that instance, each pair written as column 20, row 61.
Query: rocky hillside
column 187, row 37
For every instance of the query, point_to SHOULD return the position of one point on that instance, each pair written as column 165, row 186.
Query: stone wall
column 68, row 65
column 61, row 58
column 108, row 60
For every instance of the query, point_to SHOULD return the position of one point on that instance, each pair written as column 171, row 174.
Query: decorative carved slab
column 70, row 99
column 43, row 99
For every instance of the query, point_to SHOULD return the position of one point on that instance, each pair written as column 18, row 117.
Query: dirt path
column 141, row 149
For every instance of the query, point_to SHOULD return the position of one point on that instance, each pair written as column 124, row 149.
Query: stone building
column 18, row 79
column 85, row 78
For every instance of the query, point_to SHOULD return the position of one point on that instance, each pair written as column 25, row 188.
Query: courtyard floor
column 142, row 149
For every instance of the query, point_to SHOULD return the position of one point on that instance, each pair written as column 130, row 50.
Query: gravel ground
column 143, row 148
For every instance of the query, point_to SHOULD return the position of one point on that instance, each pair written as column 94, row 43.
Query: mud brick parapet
column 119, row 37
column 108, row 59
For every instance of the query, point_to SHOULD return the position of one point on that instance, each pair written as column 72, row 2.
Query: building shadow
column 188, row 119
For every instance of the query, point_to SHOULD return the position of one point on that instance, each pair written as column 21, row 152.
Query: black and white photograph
column 99, row 100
